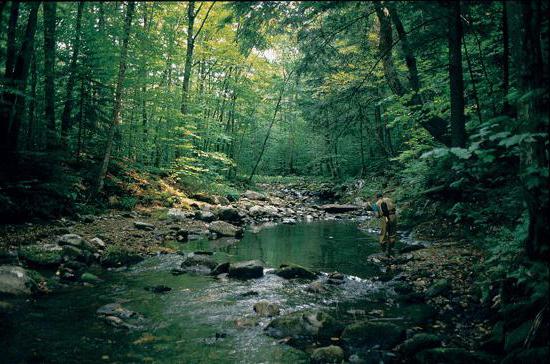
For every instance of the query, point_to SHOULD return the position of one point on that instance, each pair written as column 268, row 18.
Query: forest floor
column 440, row 274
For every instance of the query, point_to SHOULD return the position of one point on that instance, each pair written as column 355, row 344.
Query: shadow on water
column 195, row 322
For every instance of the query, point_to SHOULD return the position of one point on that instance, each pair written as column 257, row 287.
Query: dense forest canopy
column 443, row 96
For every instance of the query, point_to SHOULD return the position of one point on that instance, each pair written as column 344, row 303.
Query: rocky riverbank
column 451, row 320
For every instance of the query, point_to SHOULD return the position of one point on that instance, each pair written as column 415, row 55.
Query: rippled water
column 195, row 321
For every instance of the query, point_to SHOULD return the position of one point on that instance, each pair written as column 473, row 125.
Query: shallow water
column 195, row 321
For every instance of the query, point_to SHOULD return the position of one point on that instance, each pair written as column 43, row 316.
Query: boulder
column 15, row 281
column 116, row 310
column 338, row 208
column 367, row 334
column 158, row 289
column 76, row 241
column 246, row 270
column 289, row 271
column 177, row 214
column 198, row 263
column 328, row 354
column 220, row 269
column 316, row 287
column 205, row 216
column 223, row 228
column 450, row 356
column 204, row 197
column 439, row 288
column 42, row 255
column 304, row 326
column 140, row 225
column 418, row 343
column 89, row 278
column 253, row 195
column 289, row 221
column 268, row 211
column 231, row 215
column 117, row 256
column 98, row 243
column 267, row 309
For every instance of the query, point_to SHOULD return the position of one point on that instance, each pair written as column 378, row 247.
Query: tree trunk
column 49, row 11
column 506, row 108
column 115, row 121
column 13, row 101
column 11, row 44
column 31, row 118
column 188, row 56
column 533, row 111
column 436, row 126
column 385, row 46
column 458, row 133
column 277, row 107
column 66, row 119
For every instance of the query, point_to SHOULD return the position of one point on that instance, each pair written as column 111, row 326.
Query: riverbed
column 203, row 319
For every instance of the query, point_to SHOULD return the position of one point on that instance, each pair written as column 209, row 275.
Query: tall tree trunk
column 458, row 133
column 506, row 108
column 264, row 144
column 385, row 46
column 11, row 44
column 49, row 11
column 66, row 118
column 13, row 100
column 436, row 126
column 473, row 80
column 115, row 121
column 533, row 111
column 31, row 118
column 188, row 56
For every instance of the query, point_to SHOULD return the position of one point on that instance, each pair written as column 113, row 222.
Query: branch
column 203, row 20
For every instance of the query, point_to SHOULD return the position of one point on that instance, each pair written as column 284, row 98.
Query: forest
column 197, row 181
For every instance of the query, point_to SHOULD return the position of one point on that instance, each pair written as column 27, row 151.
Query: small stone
column 267, row 309
column 89, row 278
column 140, row 225
column 328, row 354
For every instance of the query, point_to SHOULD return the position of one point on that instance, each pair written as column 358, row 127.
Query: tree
column 191, row 38
column 66, row 118
column 456, row 82
column 13, row 100
column 115, row 120
column 49, row 12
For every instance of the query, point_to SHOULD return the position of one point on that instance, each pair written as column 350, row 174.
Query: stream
column 198, row 320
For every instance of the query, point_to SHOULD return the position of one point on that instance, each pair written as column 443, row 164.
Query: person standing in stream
column 384, row 209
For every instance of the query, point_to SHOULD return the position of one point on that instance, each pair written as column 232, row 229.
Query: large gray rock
column 367, row 334
column 253, row 195
column 231, row 215
column 303, row 326
column 246, row 270
column 290, row 271
column 223, row 228
column 328, row 354
column 178, row 214
column 42, row 255
column 206, row 216
column 15, row 281
column 197, row 263
column 267, row 211
column 76, row 241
